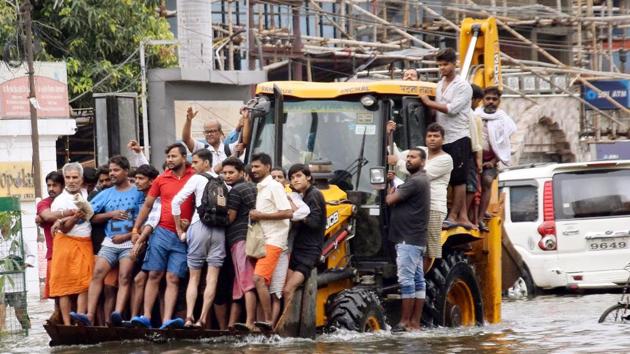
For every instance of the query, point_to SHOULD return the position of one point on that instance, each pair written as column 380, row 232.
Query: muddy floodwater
column 546, row 324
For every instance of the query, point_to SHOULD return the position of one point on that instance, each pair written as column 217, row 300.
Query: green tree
column 98, row 39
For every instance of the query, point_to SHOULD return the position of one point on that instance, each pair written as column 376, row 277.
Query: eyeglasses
column 211, row 131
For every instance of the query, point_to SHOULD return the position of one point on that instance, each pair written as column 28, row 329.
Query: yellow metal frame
column 322, row 90
column 338, row 215
column 487, row 255
column 486, row 52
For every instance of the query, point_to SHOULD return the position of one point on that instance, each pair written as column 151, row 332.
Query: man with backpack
column 206, row 234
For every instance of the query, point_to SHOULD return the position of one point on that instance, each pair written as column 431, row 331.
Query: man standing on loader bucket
column 452, row 105
column 409, row 205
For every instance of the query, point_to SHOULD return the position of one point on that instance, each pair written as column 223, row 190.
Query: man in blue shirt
column 118, row 207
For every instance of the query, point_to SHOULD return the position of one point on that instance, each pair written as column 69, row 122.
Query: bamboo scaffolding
column 323, row 40
column 332, row 22
column 230, row 33
column 565, row 90
column 559, row 63
column 391, row 26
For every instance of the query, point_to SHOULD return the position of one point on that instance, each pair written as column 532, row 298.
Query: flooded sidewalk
column 546, row 324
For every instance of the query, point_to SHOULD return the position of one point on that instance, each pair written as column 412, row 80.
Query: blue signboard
column 618, row 90
column 619, row 150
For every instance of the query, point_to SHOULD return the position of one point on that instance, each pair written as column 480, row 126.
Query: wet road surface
column 547, row 324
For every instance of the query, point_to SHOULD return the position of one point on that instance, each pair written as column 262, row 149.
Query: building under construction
column 563, row 62
column 551, row 52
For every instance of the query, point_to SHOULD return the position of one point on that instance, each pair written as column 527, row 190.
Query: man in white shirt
column 438, row 168
column 473, row 188
column 137, row 157
column 273, row 211
column 205, row 244
column 452, row 105
column 73, row 259
column 497, row 129
column 213, row 140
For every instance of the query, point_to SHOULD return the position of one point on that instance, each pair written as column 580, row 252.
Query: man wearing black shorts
column 308, row 234
column 452, row 105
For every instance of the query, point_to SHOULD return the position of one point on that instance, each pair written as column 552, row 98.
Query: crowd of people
column 464, row 146
column 131, row 246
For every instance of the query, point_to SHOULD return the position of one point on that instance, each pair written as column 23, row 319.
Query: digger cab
column 343, row 123
column 342, row 126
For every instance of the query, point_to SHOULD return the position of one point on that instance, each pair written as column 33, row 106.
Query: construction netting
column 13, row 263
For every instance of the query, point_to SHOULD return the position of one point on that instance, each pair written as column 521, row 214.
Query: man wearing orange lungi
column 72, row 259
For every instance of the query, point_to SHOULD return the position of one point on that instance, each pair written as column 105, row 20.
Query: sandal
column 399, row 329
column 448, row 224
column 483, row 227
column 242, row 327
column 80, row 319
column 173, row 324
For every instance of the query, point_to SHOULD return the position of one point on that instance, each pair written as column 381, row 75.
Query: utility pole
column 28, row 49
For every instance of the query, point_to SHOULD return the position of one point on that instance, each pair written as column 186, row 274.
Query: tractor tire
column 356, row 309
column 453, row 297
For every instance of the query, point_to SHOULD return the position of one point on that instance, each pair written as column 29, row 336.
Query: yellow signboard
column 16, row 180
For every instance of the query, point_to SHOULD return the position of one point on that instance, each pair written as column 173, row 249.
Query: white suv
column 570, row 223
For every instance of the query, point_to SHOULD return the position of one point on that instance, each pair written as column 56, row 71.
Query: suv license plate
column 605, row 244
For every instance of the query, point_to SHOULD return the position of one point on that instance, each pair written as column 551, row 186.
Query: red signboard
column 52, row 98
column 51, row 90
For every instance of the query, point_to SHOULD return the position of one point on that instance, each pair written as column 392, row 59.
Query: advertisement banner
column 618, row 90
column 619, row 150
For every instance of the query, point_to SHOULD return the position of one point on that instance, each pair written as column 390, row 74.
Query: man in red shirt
column 46, row 218
column 165, row 253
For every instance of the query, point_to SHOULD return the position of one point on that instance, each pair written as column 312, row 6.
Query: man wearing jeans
column 410, row 205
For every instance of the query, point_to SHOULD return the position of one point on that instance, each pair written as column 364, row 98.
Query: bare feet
column 199, row 325
column 189, row 322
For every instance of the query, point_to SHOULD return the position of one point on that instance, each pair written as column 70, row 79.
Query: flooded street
column 548, row 323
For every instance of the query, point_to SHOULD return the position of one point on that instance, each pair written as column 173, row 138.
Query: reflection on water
column 561, row 324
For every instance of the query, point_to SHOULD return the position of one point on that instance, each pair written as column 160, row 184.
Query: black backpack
column 213, row 210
